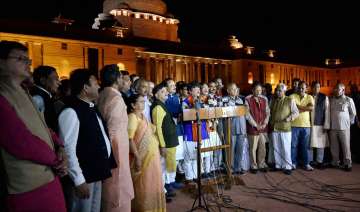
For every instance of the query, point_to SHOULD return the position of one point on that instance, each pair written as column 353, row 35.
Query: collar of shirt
column 340, row 97
column 116, row 90
column 44, row 90
column 302, row 97
column 90, row 103
column 146, row 98
column 233, row 97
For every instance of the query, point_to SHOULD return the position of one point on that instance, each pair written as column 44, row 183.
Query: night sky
column 329, row 30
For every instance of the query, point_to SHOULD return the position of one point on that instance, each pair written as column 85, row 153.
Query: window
column 250, row 78
column 93, row 60
column 121, row 66
column 272, row 78
column 119, row 51
column 64, row 46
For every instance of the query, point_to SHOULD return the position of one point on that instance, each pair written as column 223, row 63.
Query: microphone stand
column 200, row 198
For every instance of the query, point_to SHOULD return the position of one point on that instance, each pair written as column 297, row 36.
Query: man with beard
column 320, row 124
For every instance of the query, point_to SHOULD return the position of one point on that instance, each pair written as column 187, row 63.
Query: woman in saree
column 146, row 174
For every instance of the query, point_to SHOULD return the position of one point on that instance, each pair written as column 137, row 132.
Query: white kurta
column 319, row 136
column 180, row 148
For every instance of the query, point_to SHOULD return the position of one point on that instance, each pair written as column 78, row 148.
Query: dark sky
column 328, row 29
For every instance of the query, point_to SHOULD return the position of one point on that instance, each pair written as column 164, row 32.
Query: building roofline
column 215, row 51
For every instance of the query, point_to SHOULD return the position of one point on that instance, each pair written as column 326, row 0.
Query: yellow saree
column 148, row 186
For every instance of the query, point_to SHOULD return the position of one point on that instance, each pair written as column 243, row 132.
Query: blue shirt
column 173, row 105
column 188, row 125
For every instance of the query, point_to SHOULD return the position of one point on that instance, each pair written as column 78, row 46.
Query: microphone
column 197, row 108
column 197, row 104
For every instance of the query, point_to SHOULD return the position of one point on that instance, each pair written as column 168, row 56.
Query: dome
column 150, row 6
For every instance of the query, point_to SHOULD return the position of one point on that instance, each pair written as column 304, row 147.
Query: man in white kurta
column 343, row 114
column 283, row 111
column 320, row 124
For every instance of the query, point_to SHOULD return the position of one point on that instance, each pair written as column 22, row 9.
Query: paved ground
column 320, row 190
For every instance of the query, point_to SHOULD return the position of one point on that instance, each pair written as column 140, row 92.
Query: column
column 206, row 72
column 192, row 71
column 165, row 68
column 212, row 73
column 174, row 74
column 153, row 70
column 187, row 65
column 198, row 71
column 159, row 70
column 230, row 70
column 226, row 80
column 183, row 68
column 147, row 69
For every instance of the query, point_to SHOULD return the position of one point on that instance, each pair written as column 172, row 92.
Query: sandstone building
column 142, row 37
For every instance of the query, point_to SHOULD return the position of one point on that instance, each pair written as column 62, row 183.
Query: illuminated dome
column 150, row 6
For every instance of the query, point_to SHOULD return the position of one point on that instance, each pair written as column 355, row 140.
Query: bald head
column 280, row 90
column 339, row 90
column 232, row 89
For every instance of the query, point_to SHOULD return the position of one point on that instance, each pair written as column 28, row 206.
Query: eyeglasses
column 20, row 58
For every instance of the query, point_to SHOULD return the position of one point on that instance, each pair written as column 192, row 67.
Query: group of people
column 119, row 143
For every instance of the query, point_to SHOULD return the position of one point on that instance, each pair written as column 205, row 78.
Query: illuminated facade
column 144, row 18
column 145, row 42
